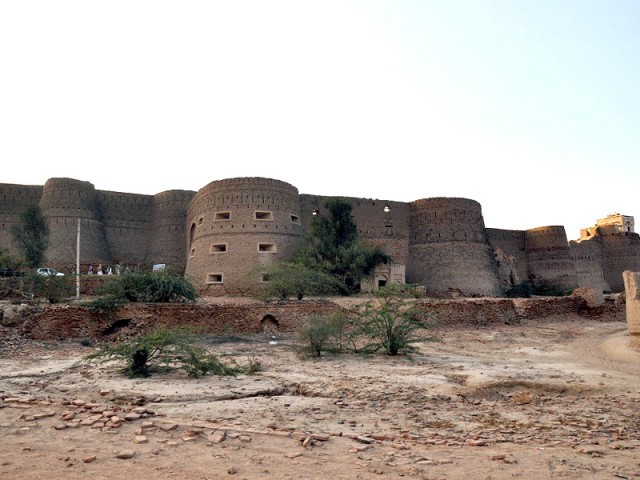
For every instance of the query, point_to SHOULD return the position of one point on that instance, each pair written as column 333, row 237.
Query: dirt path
column 552, row 399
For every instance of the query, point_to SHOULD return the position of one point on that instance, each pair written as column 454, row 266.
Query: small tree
column 333, row 247
column 161, row 349
column 389, row 322
column 31, row 236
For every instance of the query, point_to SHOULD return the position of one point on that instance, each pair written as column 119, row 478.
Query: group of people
column 100, row 270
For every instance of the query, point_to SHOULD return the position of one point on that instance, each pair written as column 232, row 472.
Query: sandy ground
column 558, row 398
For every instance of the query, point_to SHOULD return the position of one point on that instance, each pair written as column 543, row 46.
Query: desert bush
column 162, row 349
column 154, row 287
column 105, row 307
column 314, row 336
column 284, row 280
column 388, row 322
column 53, row 288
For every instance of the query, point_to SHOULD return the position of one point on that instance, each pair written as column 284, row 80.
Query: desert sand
column 544, row 399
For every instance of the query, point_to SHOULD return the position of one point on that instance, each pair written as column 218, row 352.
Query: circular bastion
column 549, row 258
column 64, row 201
column 234, row 227
column 449, row 249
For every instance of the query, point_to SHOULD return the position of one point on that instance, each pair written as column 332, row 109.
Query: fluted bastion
column 236, row 226
column 448, row 247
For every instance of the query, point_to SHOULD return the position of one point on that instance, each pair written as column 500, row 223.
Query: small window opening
column 214, row 278
column 200, row 220
column 267, row 247
column 193, row 252
column 218, row 248
column 222, row 216
column 263, row 215
column 295, row 219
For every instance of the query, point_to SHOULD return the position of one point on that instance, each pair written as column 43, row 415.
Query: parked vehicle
column 49, row 272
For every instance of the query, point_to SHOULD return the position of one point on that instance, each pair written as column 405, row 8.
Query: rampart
column 221, row 235
column 69, row 321
column 511, row 256
column 13, row 200
column 588, row 260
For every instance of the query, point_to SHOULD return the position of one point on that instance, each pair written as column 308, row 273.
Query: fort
column 218, row 235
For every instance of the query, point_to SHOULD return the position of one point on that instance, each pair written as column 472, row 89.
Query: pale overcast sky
column 530, row 107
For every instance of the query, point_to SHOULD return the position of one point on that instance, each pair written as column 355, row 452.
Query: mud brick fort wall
column 221, row 234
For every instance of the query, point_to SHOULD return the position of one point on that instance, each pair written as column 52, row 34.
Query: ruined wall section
column 64, row 201
column 620, row 252
column 587, row 255
column 13, row 200
column 237, row 225
column 128, row 220
column 168, row 231
column 449, row 248
column 510, row 254
column 548, row 257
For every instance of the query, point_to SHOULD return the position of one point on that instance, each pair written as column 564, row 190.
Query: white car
column 50, row 272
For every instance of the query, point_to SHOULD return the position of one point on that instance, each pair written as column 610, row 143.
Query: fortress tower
column 63, row 202
column 448, row 247
column 237, row 225
column 549, row 258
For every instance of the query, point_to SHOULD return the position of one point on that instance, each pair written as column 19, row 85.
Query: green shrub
column 284, row 280
column 105, row 307
column 388, row 323
column 324, row 334
column 153, row 287
column 314, row 336
column 162, row 349
column 52, row 288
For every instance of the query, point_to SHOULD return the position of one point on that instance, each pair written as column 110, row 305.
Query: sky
column 532, row 108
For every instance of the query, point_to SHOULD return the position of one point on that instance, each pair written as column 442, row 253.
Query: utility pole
column 78, row 261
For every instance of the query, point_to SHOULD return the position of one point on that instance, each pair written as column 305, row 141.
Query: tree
column 31, row 236
column 333, row 247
